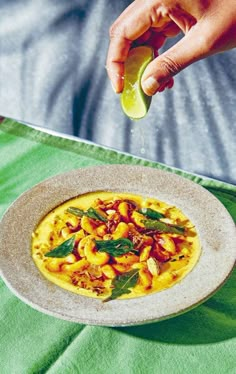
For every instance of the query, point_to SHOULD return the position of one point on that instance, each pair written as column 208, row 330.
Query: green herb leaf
column 91, row 213
column 163, row 227
column 63, row 249
column 76, row 211
column 150, row 213
column 116, row 247
column 122, row 284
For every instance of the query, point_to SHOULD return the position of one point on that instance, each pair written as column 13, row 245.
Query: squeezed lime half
column 134, row 102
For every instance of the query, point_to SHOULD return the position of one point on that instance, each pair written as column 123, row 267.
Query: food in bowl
column 111, row 245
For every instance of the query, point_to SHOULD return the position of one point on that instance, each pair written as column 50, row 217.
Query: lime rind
column 135, row 103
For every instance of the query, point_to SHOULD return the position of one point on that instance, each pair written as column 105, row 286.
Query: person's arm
column 209, row 27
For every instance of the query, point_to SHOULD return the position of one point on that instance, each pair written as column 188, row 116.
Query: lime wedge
column 134, row 102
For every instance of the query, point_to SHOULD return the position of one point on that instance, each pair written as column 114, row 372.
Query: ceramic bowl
column 213, row 223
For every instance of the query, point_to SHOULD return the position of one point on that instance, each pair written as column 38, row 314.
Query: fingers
column 117, row 54
column 158, row 36
column 141, row 23
column 189, row 49
column 182, row 19
column 136, row 26
column 131, row 24
column 208, row 26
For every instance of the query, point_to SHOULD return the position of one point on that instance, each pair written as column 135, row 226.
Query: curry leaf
column 76, row 211
column 151, row 213
column 91, row 213
column 122, row 284
column 63, row 249
column 116, row 247
column 163, row 227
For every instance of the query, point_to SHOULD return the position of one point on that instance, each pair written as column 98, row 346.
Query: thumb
column 189, row 49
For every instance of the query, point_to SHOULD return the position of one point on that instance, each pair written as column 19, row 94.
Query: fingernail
column 150, row 85
column 113, row 87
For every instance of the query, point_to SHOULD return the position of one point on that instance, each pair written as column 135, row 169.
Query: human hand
column 209, row 27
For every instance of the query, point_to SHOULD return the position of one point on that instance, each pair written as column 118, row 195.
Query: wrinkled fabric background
column 52, row 74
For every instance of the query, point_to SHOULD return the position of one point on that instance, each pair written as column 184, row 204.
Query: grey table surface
column 53, row 75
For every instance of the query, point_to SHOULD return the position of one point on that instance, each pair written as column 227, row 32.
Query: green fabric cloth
column 200, row 341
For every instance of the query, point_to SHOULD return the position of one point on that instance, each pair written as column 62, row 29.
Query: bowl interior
column 214, row 226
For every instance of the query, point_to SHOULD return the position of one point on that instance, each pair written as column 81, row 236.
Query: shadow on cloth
column 214, row 321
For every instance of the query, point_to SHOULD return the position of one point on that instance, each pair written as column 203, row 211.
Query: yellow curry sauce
column 115, row 245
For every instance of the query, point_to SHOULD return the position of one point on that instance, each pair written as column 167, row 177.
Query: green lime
column 134, row 102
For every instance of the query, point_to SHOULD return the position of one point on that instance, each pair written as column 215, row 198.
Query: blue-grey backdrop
column 52, row 74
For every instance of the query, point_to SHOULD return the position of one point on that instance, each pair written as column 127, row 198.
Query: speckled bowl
column 213, row 223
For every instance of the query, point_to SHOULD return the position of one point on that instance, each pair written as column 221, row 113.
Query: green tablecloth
column 200, row 341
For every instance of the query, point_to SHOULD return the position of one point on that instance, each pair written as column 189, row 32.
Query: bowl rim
column 176, row 300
